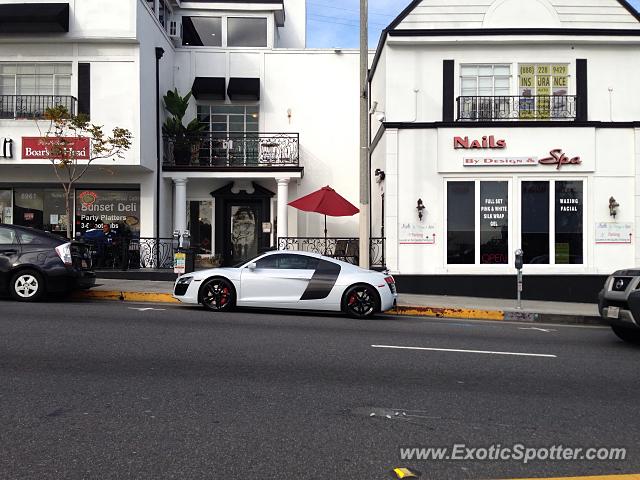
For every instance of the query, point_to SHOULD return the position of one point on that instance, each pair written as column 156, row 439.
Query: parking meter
column 519, row 263
column 186, row 239
column 519, row 259
column 176, row 239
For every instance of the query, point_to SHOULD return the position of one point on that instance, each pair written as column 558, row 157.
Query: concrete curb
column 404, row 310
column 125, row 296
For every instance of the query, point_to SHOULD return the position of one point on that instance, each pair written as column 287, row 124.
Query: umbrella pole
column 325, row 235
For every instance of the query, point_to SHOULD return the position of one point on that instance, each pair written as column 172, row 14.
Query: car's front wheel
column 360, row 301
column 218, row 295
column 27, row 286
column 630, row 335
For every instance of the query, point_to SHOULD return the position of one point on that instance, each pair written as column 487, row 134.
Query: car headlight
column 184, row 280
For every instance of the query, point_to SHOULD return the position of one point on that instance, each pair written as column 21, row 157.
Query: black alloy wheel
column 360, row 301
column 218, row 295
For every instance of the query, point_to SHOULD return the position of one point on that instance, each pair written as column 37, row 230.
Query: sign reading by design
column 614, row 232
column 38, row 148
column 500, row 161
column 6, row 148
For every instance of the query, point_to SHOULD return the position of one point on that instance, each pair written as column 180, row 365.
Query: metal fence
column 536, row 107
column 33, row 106
column 136, row 253
column 232, row 150
column 341, row 248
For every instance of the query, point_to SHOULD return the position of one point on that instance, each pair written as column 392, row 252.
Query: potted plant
column 184, row 140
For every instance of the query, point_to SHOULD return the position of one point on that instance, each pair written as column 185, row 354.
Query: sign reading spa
column 37, row 148
column 540, row 149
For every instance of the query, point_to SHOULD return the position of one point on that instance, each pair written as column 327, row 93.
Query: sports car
column 290, row 279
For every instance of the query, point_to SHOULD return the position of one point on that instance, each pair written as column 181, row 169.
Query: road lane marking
column 146, row 309
column 454, row 350
column 546, row 330
column 597, row 477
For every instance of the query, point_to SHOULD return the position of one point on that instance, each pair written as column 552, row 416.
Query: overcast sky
column 334, row 23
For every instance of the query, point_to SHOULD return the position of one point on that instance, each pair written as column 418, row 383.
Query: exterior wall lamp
column 420, row 208
column 380, row 175
column 613, row 207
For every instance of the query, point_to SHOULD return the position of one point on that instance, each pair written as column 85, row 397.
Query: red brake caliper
column 352, row 299
column 225, row 295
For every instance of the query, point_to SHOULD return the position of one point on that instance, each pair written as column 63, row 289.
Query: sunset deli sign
column 35, row 148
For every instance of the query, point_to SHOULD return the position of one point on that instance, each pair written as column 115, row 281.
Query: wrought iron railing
column 232, row 150
column 33, row 106
column 135, row 253
column 538, row 107
column 340, row 248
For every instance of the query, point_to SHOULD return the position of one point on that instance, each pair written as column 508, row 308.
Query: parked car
column 619, row 304
column 289, row 279
column 34, row 263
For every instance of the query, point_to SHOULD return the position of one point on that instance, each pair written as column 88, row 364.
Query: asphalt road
column 103, row 390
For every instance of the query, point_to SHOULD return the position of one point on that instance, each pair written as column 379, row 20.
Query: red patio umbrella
column 326, row 201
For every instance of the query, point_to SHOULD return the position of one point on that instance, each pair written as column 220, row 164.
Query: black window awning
column 34, row 18
column 208, row 88
column 244, row 89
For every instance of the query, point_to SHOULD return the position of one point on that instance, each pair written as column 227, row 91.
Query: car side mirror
column 252, row 266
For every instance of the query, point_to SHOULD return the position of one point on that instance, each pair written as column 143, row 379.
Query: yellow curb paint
column 634, row 476
column 127, row 296
column 439, row 312
column 404, row 473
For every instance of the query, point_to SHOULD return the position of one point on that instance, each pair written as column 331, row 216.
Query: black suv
column 619, row 304
column 34, row 263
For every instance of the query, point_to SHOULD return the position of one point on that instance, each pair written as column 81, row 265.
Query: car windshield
column 245, row 262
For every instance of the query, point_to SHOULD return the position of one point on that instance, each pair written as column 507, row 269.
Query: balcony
column 33, row 107
column 539, row 107
column 232, row 150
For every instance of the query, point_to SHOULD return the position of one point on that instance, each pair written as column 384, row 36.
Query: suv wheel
column 630, row 335
column 27, row 286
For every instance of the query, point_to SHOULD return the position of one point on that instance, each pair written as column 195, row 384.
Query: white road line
column 486, row 352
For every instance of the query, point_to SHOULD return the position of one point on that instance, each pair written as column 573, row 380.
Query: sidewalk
column 410, row 305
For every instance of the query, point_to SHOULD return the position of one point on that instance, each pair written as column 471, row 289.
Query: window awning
column 34, row 18
column 208, row 88
column 244, row 89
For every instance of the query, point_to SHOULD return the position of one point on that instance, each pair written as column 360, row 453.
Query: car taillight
column 389, row 280
column 64, row 252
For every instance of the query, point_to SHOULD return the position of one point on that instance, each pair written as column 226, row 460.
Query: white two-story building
column 504, row 125
column 277, row 121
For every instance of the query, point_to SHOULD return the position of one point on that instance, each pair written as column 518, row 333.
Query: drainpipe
column 159, row 54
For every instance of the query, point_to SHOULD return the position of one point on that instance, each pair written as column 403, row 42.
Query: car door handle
column 9, row 252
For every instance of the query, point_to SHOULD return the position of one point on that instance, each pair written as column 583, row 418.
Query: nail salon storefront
column 467, row 198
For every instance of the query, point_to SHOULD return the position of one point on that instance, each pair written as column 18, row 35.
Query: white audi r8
column 290, row 279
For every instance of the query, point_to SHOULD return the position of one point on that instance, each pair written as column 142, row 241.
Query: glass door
column 6, row 207
column 244, row 235
column 234, row 134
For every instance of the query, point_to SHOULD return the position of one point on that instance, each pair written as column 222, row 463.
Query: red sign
column 71, row 148
column 558, row 158
column 485, row 142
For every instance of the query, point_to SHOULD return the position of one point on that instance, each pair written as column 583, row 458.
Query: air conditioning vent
column 174, row 29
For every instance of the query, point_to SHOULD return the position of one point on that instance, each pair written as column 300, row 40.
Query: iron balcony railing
column 134, row 253
column 17, row 107
column 538, row 107
column 340, row 248
column 232, row 150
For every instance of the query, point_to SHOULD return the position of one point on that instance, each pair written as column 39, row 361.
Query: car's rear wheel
column 360, row 301
column 630, row 335
column 27, row 286
column 218, row 295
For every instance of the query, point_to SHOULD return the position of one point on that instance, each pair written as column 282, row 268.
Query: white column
column 283, row 198
column 180, row 205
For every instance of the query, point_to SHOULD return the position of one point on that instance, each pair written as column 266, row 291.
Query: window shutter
column 84, row 88
column 448, row 100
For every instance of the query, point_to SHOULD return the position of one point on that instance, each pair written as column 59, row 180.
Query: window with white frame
column 211, row 31
column 478, row 222
column 35, row 78
column 481, row 89
column 552, row 223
